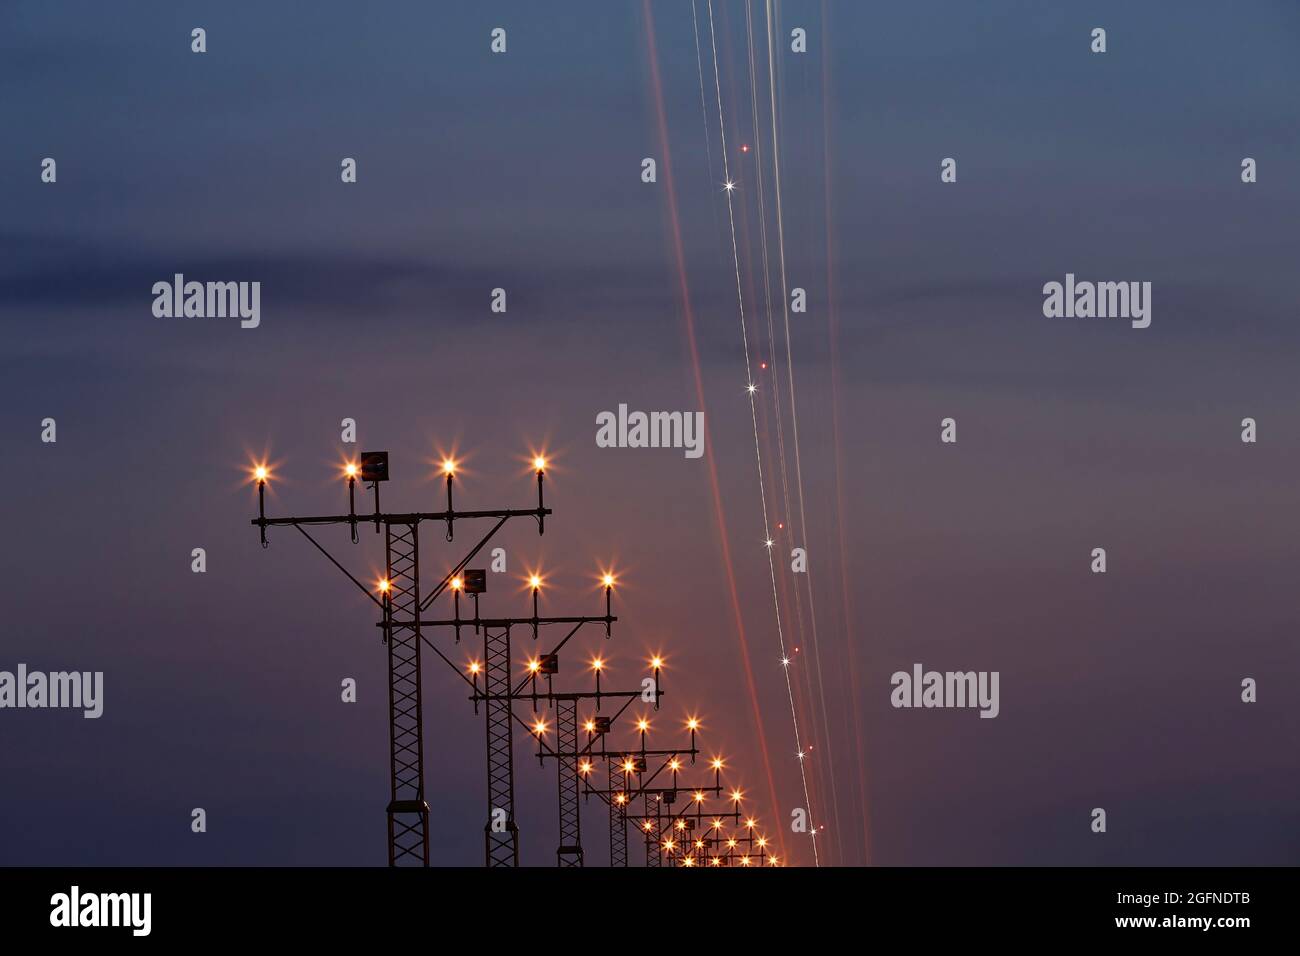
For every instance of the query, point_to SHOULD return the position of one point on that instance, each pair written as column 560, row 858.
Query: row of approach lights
column 670, row 844
column 373, row 468
column 633, row 764
column 681, row 843
column 688, row 859
column 533, row 582
column 597, row 726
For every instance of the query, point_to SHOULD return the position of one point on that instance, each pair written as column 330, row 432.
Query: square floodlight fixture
column 374, row 466
column 603, row 724
column 670, row 796
column 549, row 664
column 638, row 763
column 474, row 580
column 690, row 823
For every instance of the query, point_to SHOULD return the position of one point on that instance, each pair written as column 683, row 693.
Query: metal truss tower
column 617, row 820
column 408, row 813
column 566, row 729
column 399, row 598
column 501, row 833
column 652, row 834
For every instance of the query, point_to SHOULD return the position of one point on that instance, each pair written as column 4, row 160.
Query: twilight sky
column 522, row 171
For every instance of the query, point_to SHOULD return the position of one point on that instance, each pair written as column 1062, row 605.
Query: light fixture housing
column 374, row 466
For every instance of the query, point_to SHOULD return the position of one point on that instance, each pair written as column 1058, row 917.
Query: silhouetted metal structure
column 501, row 834
column 578, row 763
column 400, row 603
column 408, row 812
column 498, row 695
column 405, row 633
column 569, row 852
column 617, row 822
